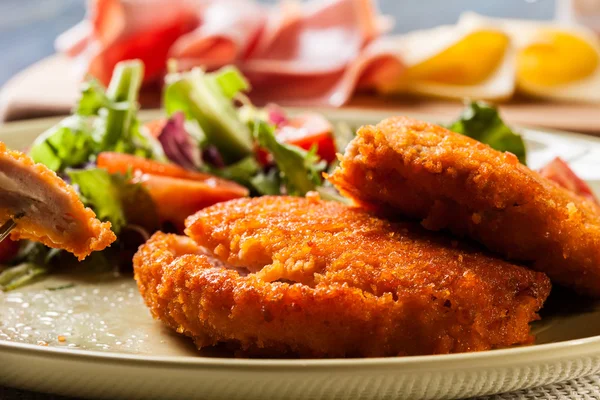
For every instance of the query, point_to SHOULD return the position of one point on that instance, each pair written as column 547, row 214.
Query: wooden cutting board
column 49, row 87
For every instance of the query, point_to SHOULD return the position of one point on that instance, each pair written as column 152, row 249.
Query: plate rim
column 498, row 357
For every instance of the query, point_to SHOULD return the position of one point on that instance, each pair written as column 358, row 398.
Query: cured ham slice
column 376, row 64
column 228, row 32
column 46, row 209
column 311, row 53
column 117, row 30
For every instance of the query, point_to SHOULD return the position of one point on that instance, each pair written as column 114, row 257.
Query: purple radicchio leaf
column 212, row 156
column 179, row 146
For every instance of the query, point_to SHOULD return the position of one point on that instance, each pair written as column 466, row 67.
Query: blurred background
column 28, row 27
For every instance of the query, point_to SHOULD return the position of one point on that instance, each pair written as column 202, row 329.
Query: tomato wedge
column 176, row 198
column 307, row 130
column 559, row 172
column 122, row 163
column 177, row 192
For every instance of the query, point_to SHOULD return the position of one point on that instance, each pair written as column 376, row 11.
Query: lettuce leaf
column 103, row 120
column 482, row 122
column 207, row 99
column 93, row 98
column 231, row 81
column 100, row 192
column 113, row 198
column 21, row 275
column 300, row 170
column 68, row 144
column 248, row 172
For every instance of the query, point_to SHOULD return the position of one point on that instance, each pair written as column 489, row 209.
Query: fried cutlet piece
column 419, row 170
column 321, row 279
column 46, row 209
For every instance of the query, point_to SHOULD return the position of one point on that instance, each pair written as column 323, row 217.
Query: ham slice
column 320, row 53
column 311, row 53
column 227, row 33
column 375, row 64
column 117, row 30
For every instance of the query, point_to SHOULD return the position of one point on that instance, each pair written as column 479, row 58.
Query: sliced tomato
column 559, row 171
column 308, row 130
column 8, row 249
column 177, row 198
column 177, row 192
column 304, row 131
column 122, row 163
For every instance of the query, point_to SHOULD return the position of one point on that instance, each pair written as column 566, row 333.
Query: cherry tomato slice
column 308, row 130
column 559, row 171
column 177, row 192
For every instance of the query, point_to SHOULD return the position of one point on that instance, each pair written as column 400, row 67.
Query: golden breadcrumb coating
column 46, row 209
column 448, row 181
column 305, row 277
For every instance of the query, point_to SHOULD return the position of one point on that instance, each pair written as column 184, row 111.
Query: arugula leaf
column 482, row 122
column 207, row 99
column 98, row 190
column 67, row 144
column 300, row 169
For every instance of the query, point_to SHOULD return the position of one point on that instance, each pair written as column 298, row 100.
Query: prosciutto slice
column 310, row 53
column 228, row 31
column 117, row 30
